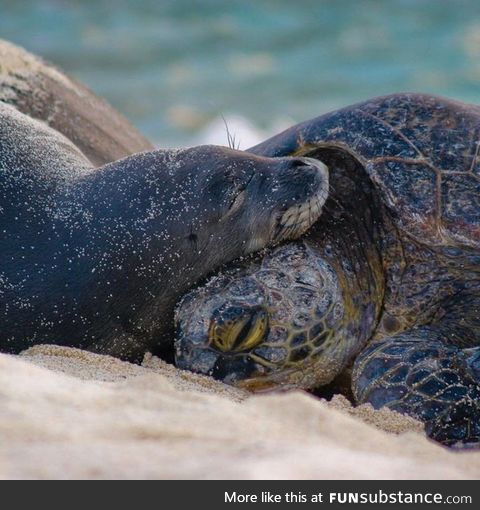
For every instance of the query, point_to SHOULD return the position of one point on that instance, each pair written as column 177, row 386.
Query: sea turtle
column 387, row 280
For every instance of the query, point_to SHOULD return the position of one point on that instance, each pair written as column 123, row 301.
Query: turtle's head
column 278, row 322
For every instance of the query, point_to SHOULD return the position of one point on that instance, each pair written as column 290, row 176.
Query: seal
column 388, row 279
column 97, row 257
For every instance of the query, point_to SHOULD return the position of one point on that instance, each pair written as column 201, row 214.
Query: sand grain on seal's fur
column 66, row 413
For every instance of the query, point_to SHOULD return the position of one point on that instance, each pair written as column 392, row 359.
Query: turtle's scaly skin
column 398, row 253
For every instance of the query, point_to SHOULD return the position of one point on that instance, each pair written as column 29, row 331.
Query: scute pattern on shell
column 422, row 153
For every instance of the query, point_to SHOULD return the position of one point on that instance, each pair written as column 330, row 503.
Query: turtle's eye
column 238, row 329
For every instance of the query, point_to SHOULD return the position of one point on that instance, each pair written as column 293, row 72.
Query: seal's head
column 245, row 202
column 189, row 211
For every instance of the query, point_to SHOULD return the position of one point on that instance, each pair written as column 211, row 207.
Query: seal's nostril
column 298, row 163
column 304, row 166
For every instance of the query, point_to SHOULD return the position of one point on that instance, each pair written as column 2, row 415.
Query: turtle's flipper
column 417, row 374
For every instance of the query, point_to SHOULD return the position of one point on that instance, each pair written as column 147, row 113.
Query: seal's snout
column 314, row 165
column 309, row 173
column 306, row 180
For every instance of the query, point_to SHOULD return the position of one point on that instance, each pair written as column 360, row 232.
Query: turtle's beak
column 227, row 367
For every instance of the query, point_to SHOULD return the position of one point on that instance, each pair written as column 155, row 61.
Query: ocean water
column 176, row 67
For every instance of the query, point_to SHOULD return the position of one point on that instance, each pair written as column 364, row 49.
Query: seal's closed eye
column 227, row 185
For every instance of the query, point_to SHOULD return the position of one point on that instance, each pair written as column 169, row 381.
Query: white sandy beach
column 66, row 413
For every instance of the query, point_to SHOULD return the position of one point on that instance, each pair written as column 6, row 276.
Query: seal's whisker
column 231, row 139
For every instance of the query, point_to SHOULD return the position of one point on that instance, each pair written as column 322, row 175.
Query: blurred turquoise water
column 174, row 66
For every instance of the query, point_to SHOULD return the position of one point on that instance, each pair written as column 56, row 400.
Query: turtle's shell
column 420, row 151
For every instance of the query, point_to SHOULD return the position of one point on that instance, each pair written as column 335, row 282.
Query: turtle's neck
column 349, row 236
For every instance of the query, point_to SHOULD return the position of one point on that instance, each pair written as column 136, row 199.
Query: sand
column 66, row 413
